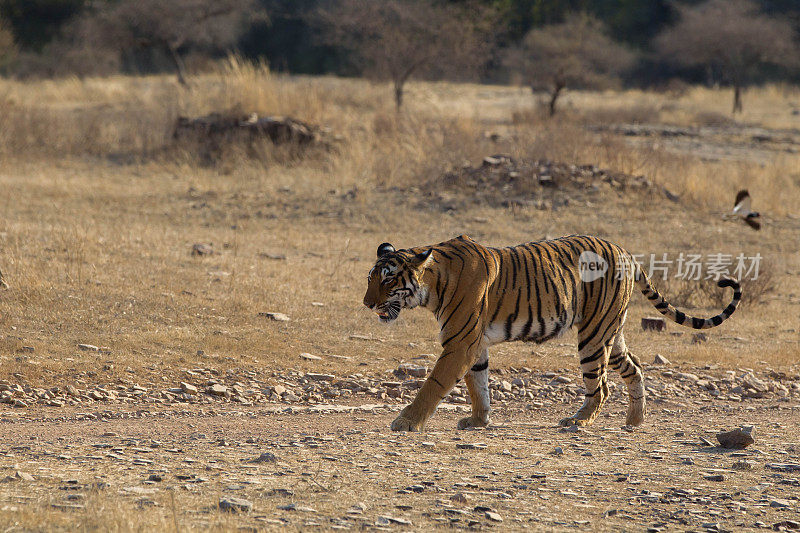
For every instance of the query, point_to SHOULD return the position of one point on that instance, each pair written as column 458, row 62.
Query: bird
column 741, row 209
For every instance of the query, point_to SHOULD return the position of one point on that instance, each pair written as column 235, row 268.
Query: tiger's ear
column 384, row 249
column 421, row 260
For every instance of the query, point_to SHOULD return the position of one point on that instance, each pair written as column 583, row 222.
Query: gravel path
column 226, row 466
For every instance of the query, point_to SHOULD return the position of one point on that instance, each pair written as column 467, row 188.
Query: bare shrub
column 172, row 28
column 705, row 293
column 575, row 53
column 730, row 35
column 397, row 40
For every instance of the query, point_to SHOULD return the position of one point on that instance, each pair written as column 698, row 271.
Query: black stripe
column 698, row 323
column 480, row 367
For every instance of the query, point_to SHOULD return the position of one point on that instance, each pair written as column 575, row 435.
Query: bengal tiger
column 536, row 291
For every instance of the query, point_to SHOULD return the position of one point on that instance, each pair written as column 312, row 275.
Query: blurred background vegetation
column 548, row 45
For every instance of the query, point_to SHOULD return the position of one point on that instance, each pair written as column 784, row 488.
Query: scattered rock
column 310, row 357
column 736, row 439
column 654, row 323
column 277, row 317
column 459, row 497
column 472, row 446
column 494, row 517
column 780, row 504
column 199, row 249
column 320, row 377
column 660, row 360
column 188, row 388
column 88, row 348
column 408, row 369
column 217, row 389
column 235, row 505
column 265, row 457
column 743, row 465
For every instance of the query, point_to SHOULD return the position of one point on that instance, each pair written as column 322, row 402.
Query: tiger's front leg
column 450, row 367
column 477, row 380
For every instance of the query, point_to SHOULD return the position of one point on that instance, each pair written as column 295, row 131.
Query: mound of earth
column 211, row 133
column 503, row 181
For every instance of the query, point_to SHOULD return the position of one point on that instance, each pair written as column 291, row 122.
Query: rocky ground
column 227, row 451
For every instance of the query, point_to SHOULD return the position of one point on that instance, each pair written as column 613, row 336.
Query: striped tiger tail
column 668, row 310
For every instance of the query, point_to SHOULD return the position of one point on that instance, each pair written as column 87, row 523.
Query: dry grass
column 96, row 246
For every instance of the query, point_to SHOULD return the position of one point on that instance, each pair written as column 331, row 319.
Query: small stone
column 654, row 323
column 494, row 517
column 277, row 317
column 23, row 476
column 660, row 360
column 217, row 389
column 408, row 369
column 736, row 439
column 200, row 248
column 310, row 357
column 571, row 429
column 265, row 457
column 472, row 446
column 320, row 377
column 235, row 505
column 713, row 477
column 505, row 386
column 743, row 465
column 459, row 497
column 780, row 504
column 155, row 478
column 188, row 388
column 557, row 451
column 786, row 524
column 88, row 348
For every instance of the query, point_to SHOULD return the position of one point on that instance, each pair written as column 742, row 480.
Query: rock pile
column 501, row 180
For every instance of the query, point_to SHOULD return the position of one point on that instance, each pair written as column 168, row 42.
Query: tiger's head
column 395, row 282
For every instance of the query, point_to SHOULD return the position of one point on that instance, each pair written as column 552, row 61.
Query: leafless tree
column 396, row 40
column 731, row 35
column 7, row 46
column 172, row 26
column 575, row 53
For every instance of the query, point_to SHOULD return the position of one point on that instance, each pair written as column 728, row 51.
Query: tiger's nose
column 368, row 302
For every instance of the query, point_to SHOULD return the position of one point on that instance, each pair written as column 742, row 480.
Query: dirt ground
column 340, row 467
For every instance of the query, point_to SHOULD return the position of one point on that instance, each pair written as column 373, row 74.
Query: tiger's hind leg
column 477, row 379
column 629, row 367
column 594, row 353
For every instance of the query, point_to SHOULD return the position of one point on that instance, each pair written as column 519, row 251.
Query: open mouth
column 385, row 317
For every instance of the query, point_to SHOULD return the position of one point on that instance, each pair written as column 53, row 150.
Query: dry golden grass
column 101, row 213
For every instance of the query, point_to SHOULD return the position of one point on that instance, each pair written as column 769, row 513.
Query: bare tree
column 173, row 26
column 731, row 35
column 8, row 48
column 575, row 53
column 396, row 40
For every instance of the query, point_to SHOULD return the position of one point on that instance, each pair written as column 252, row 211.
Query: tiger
column 482, row 296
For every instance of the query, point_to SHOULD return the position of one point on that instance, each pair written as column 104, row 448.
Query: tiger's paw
column 401, row 423
column 574, row 421
column 473, row 422
column 635, row 415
